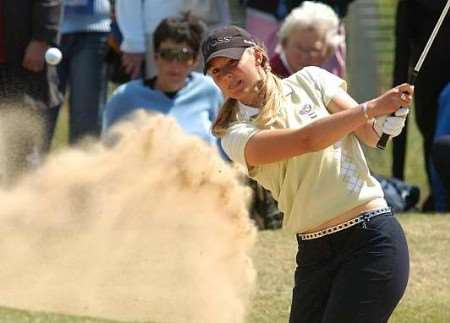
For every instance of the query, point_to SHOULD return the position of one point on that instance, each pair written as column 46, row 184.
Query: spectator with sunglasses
column 176, row 90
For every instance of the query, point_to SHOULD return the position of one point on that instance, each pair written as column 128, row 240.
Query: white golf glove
column 391, row 125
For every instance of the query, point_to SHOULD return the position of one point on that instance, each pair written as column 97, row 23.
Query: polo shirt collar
column 247, row 112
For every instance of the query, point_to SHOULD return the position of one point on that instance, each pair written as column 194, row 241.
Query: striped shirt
column 86, row 15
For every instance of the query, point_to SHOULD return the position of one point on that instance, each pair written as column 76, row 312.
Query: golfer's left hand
column 391, row 125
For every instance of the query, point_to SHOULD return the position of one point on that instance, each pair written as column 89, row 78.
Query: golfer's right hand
column 34, row 56
column 391, row 100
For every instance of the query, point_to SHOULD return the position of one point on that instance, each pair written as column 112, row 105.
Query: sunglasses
column 182, row 55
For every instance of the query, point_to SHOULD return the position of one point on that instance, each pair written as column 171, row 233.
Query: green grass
column 60, row 139
column 427, row 298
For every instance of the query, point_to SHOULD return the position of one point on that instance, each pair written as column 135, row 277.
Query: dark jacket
column 27, row 20
column 415, row 20
column 278, row 67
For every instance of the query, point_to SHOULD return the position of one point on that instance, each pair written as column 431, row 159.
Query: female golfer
column 300, row 138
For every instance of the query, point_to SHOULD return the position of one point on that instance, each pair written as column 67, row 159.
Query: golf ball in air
column 53, row 56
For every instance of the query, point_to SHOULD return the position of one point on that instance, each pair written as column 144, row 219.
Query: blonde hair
column 272, row 92
column 312, row 15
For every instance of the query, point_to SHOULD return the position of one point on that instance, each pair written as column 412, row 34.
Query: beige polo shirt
column 315, row 187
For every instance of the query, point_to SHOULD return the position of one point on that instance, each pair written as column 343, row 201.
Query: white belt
column 363, row 218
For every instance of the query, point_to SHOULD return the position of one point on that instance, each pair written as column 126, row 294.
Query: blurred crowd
column 148, row 51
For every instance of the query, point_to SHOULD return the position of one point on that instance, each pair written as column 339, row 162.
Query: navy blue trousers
column 355, row 275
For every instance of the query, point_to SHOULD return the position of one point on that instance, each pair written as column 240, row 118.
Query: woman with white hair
column 310, row 35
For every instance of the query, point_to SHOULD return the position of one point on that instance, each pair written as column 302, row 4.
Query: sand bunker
column 154, row 228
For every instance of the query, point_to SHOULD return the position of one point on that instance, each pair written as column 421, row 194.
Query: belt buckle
column 364, row 223
column 366, row 217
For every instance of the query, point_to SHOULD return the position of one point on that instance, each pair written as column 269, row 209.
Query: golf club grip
column 382, row 142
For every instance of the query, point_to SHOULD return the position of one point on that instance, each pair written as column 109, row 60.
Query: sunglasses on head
column 182, row 55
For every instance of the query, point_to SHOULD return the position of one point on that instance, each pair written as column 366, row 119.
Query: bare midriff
column 351, row 214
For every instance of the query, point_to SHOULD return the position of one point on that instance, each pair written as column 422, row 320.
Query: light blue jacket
column 195, row 106
column 86, row 15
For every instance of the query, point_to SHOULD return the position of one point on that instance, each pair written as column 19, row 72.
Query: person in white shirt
column 138, row 19
column 300, row 138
